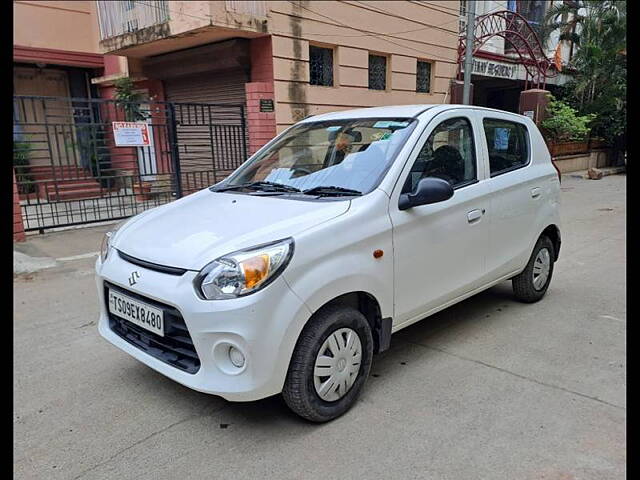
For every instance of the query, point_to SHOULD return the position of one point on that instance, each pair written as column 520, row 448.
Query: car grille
column 175, row 348
column 152, row 266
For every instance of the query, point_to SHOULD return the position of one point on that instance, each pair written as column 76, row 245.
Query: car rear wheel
column 531, row 285
column 330, row 364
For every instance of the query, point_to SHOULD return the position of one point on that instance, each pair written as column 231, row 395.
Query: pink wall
column 261, row 125
column 18, row 226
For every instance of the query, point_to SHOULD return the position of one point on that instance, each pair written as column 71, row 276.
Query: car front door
column 439, row 249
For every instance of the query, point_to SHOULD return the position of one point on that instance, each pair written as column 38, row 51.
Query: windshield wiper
column 328, row 190
column 264, row 186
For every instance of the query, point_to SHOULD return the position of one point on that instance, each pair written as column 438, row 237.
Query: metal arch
column 515, row 29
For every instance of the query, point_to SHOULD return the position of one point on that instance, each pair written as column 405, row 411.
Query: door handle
column 474, row 215
column 535, row 192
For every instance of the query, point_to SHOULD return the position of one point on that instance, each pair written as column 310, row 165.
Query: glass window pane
column 423, row 77
column 349, row 153
column 320, row 66
column 449, row 153
column 377, row 72
column 508, row 145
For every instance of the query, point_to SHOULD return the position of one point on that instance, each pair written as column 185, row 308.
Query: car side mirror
column 430, row 190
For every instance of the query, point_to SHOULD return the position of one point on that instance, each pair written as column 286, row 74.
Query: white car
column 292, row 272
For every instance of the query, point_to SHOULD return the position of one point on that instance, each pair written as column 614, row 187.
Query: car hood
column 197, row 229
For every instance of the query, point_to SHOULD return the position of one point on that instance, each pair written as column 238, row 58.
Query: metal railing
column 71, row 168
column 118, row 18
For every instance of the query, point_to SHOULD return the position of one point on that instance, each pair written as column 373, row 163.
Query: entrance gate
column 71, row 169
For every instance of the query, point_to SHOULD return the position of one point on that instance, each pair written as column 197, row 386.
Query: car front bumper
column 264, row 326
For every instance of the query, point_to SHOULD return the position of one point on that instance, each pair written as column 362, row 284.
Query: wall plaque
column 266, row 105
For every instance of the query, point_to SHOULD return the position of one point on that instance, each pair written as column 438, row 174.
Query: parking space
column 489, row 388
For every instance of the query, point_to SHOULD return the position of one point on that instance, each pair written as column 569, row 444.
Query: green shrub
column 563, row 124
column 21, row 153
column 128, row 99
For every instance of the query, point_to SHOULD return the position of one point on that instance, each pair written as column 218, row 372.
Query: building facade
column 284, row 60
column 499, row 74
column 252, row 68
column 55, row 48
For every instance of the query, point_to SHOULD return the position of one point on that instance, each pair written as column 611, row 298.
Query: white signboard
column 490, row 68
column 528, row 113
column 131, row 134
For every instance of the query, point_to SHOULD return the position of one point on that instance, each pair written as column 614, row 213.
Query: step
column 75, row 195
column 79, row 185
column 57, row 168
column 58, row 172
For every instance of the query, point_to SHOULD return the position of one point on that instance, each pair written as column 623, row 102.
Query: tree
column 598, row 86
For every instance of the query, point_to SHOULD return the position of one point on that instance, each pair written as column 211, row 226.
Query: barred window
column 321, row 66
column 377, row 72
column 423, row 77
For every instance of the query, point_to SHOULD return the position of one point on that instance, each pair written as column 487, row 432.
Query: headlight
column 243, row 272
column 104, row 248
column 106, row 241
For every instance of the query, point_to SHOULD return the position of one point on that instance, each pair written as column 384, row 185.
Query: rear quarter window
column 508, row 145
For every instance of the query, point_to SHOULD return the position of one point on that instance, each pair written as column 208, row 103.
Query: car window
column 507, row 145
column 449, row 153
column 346, row 153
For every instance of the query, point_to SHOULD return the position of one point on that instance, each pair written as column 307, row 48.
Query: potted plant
column 24, row 178
column 565, row 131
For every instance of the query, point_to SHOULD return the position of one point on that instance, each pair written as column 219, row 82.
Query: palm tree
column 568, row 16
column 598, row 29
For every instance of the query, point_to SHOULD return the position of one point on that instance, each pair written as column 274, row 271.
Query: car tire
column 301, row 386
column 528, row 286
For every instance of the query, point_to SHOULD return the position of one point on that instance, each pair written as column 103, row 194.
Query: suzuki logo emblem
column 132, row 279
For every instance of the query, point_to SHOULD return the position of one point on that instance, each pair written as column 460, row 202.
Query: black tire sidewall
column 327, row 324
column 523, row 287
column 543, row 242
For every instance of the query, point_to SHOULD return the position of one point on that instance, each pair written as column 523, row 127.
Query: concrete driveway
column 487, row 389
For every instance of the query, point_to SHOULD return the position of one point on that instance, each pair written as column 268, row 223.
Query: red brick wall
column 18, row 226
column 261, row 125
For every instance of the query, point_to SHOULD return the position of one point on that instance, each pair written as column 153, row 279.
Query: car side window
column 507, row 144
column 449, row 153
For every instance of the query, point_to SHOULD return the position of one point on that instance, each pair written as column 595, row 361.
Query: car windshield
column 340, row 157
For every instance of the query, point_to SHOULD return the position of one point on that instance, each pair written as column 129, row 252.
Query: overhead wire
column 365, row 33
column 375, row 8
column 378, row 35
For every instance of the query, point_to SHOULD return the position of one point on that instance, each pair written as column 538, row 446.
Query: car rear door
column 516, row 191
column 439, row 249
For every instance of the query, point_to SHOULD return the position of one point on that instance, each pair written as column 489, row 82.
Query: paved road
column 487, row 389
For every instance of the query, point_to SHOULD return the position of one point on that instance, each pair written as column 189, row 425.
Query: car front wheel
column 330, row 364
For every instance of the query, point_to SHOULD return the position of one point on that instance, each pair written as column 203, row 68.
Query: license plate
column 142, row 314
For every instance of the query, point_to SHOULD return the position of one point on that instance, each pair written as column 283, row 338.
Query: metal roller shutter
column 209, row 113
column 215, row 87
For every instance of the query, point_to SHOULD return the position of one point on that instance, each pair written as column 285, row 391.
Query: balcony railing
column 118, row 18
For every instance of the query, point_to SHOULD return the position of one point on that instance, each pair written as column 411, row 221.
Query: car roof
column 391, row 111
